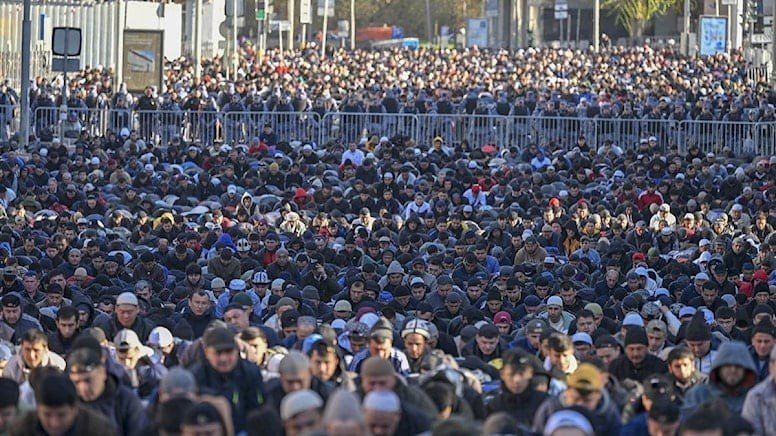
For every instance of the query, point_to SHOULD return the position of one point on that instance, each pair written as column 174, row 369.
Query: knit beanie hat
column 636, row 335
column 697, row 329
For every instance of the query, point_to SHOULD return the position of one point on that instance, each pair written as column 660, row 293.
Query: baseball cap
column 502, row 317
column 657, row 325
column 220, row 338
column 535, row 326
column 582, row 338
column 160, row 337
column 606, row 341
column 586, row 378
column 657, row 387
column 126, row 339
column 343, row 306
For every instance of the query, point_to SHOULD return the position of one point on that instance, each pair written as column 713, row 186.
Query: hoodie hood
column 225, row 240
column 734, row 353
column 395, row 268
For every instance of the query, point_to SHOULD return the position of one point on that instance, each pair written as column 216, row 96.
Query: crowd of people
column 617, row 83
column 395, row 285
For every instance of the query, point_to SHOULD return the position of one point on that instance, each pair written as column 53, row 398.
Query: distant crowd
column 395, row 285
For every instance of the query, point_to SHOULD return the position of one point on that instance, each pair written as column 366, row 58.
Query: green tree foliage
column 635, row 14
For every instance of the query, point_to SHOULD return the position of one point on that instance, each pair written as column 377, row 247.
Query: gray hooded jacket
column 729, row 353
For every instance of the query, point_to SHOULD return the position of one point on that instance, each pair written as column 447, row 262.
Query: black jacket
column 198, row 323
column 622, row 368
column 87, row 423
column 275, row 392
column 522, row 406
column 243, row 387
column 122, row 407
column 110, row 325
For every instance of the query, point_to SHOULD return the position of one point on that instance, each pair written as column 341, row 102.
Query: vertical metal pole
column 686, row 28
column 235, row 58
column 63, row 106
column 291, row 20
column 24, row 127
column 304, row 35
column 352, row 24
column 773, row 45
column 428, row 21
column 579, row 15
column 119, row 43
column 560, row 32
column 512, row 25
column 265, row 26
column 198, row 39
column 730, row 28
column 597, row 25
column 325, row 27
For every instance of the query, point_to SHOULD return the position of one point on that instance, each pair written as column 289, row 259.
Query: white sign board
column 730, row 2
column 305, row 12
column 712, row 38
column 330, row 10
column 491, row 8
column 477, row 32
column 280, row 25
column 762, row 38
column 561, row 10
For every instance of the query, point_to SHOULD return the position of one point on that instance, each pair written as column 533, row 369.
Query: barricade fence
column 208, row 126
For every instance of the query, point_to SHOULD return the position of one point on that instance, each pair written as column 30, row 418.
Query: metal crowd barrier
column 207, row 127
column 351, row 127
column 243, row 126
column 765, row 138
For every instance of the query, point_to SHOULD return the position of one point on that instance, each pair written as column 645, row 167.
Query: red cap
column 638, row 257
column 476, row 188
column 502, row 317
column 554, row 202
column 761, row 275
column 489, row 148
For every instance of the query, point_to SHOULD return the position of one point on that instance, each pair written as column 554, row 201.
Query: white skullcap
column 567, row 419
column 382, row 401
column 299, row 401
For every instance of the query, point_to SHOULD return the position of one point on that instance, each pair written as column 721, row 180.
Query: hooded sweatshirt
column 730, row 353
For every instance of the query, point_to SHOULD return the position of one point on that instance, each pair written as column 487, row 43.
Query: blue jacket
column 637, row 426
